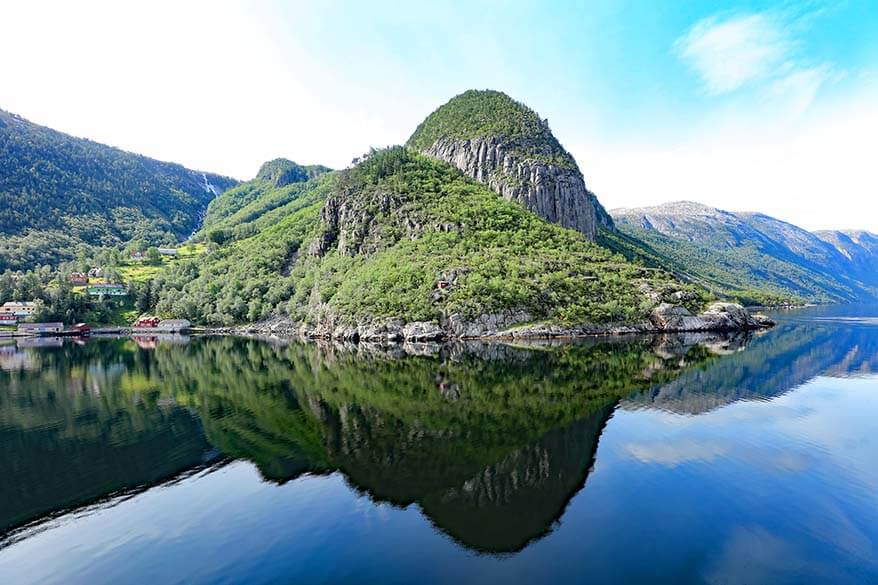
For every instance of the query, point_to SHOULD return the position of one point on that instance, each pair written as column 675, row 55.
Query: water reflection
column 491, row 441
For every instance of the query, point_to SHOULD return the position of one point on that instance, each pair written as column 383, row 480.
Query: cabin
column 77, row 279
column 174, row 325
column 41, row 328
column 18, row 308
column 111, row 290
column 168, row 251
column 147, row 322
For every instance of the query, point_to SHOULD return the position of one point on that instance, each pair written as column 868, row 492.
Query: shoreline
column 719, row 318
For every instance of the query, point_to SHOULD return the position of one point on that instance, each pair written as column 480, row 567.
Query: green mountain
column 277, row 183
column 507, row 146
column 751, row 256
column 402, row 238
column 59, row 193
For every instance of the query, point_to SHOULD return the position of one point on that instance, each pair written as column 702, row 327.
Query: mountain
column 406, row 244
column 752, row 256
column 277, row 182
column 402, row 238
column 506, row 145
column 860, row 248
column 58, row 193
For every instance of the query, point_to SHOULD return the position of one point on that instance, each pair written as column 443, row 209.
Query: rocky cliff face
column 555, row 193
column 509, row 147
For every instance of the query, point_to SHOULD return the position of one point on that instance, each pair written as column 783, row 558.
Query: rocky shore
column 666, row 318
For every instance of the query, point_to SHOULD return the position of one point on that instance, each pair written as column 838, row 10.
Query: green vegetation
column 58, row 300
column 744, row 273
column 488, row 113
column 749, row 256
column 233, row 215
column 280, row 172
column 373, row 242
column 60, row 196
column 726, row 275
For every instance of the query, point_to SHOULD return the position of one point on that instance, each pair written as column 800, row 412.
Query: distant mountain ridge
column 743, row 253
column 59, row 192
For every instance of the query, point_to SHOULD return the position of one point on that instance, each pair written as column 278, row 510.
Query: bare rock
column 422, row 331
column 555, row 193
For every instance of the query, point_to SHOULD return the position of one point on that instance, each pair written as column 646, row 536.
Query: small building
column 147, row 323
column 174, row 325
column 111, row 290
column 19, row 308
column 137, row 255
column 8, row 319
column 168, row 251
column 95, row 272
column 41, row 328
column 80, row 329
column 78, row 278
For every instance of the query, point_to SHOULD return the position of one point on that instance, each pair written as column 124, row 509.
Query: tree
column 153, row 256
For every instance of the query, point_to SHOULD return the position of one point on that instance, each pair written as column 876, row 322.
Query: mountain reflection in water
column 491, row 441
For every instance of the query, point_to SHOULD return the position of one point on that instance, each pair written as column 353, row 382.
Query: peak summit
column 507, row 146
column 281, row 172
column 491, row 114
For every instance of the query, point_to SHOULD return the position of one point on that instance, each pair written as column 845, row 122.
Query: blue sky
column 771, row 106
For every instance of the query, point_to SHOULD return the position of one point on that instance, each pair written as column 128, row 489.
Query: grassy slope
column 508, row 258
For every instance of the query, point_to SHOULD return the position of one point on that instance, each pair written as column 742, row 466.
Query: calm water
column 681, row 459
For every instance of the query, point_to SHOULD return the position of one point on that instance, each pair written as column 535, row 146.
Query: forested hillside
column 59, row 193
column 402, row 236
column 752, row 256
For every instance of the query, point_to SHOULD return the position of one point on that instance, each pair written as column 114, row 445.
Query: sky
column 746, row 106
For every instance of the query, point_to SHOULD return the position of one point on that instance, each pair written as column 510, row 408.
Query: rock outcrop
column 666, row 318
column 555, row 193
column 718, row 317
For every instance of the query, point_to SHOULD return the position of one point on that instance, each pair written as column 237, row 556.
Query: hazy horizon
column 743, row 106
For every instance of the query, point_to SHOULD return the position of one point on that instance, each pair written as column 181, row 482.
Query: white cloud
column 795, row 92
column 730, row 53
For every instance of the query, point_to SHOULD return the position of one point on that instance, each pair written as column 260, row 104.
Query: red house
column 147, row 322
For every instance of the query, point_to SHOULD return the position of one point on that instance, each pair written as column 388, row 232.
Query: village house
column 18, row 308
column 77, row 279
column 168, row 251
column 95, row 272
column 147, row 322
column 110, row 290
column 137, row 255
